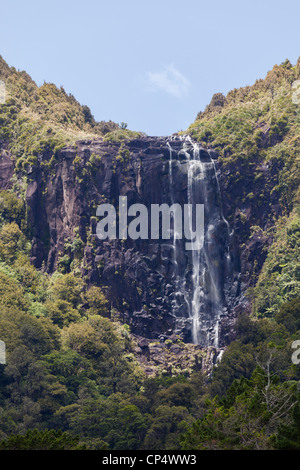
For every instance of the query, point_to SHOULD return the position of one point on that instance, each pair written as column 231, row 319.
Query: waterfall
column 200, row 281
column 181, row 294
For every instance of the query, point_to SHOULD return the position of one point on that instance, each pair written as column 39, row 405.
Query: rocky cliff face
column 156, row 286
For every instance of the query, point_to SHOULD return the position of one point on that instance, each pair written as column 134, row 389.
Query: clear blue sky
column 152, row 64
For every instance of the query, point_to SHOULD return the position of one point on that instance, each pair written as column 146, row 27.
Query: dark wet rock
column 6, row 167
column 138, row 275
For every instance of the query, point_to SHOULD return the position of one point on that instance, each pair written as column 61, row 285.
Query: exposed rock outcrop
column 138, row 276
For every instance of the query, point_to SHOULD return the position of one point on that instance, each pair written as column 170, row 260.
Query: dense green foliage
column 36, row 120
column 279, row 280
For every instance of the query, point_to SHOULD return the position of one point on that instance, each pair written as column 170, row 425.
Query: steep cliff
column 148, row 282
column 140, row 277
column 234, row 161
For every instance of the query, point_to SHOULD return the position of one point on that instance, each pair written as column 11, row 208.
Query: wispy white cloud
column 169, row 80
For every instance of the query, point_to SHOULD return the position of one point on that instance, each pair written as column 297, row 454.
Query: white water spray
column 201, row 284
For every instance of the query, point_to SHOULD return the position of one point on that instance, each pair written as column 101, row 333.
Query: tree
column 12, row 209
column 289, row 315
column 61, row 312
column 88, row 117
column 12, row 293
column 168, row 424
column 12, row 242
column 97, row 302
column 288, row 435
column 252, row 412
column 69, row 288
column 42, row 440
column 178, row 394
column 278, row 399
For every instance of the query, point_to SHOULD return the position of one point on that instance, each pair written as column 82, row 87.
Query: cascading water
column 199, row 281
column 181, row 295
